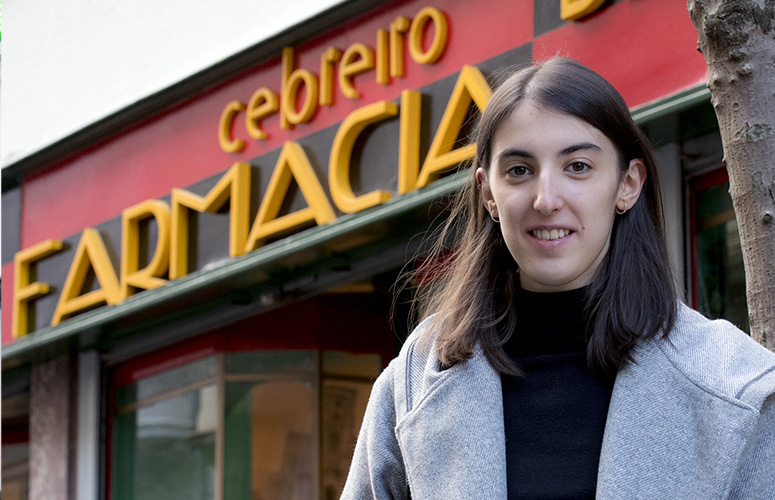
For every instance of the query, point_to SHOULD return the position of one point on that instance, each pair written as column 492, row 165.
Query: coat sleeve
column 377, row 469
column 755, row 478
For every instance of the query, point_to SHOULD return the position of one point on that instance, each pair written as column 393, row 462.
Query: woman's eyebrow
column 579, row 147
column 521, row 153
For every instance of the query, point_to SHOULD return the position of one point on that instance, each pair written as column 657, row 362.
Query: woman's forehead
column 534, row 125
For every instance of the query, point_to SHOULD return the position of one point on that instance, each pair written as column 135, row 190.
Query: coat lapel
column 666, row 437
column 453, row 438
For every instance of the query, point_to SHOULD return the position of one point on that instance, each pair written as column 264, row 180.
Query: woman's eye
column 578, row 167
column 518, row 170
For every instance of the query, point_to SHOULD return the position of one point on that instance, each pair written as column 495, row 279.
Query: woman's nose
column 548, row 198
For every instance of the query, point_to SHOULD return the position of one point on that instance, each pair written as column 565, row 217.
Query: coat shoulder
column 720, row 358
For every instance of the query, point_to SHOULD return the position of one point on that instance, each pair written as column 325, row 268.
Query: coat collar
column 668, row 437
column 665, row 437
column 453, row 436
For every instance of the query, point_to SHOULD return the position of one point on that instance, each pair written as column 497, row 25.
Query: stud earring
column 622, row 212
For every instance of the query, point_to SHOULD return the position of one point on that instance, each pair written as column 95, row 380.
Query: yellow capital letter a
column 150, row 276
column 24, row 291
column 90, row 254
column 470, row 87
column 570, row 10
column 293, row 163
column 341, row 153
column 233, row 186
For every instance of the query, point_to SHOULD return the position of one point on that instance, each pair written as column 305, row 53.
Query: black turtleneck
column 554, row 413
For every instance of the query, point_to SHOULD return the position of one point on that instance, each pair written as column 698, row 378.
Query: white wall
column 69, row 63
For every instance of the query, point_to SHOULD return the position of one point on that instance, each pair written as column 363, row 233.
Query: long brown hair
column 631, row 297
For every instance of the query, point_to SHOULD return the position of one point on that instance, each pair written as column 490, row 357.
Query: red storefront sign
column 646, row 48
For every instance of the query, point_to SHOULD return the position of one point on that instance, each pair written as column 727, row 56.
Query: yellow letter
column 570, row 10
column 293, row 163
column 233, row 186
column 357, row 59
column 262, row 103
column 397, row 29
column 383, row 61
column 439, row 37
column 228, row 144
column 23, row 290
column 341, row 152
column 327, row 60
column 291, row 81
column 150, row 276
column 470, row 86
column 409, row 140
column 90, row 254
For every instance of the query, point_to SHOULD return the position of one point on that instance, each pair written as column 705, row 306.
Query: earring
column 622, row 212
column 495, row 218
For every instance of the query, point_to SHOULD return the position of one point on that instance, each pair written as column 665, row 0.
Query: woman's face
column 555, row 183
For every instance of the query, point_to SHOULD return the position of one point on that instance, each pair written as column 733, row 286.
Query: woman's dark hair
column 631, row 297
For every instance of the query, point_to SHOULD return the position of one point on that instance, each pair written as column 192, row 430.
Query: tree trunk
column 737, row 38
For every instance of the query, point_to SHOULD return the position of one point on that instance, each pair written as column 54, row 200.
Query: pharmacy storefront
column 198, row 291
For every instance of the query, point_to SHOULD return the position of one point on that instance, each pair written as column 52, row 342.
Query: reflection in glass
column 166, row 450
column 344, row 403
column 284, row 422
column 720, row 272
column 270, row 438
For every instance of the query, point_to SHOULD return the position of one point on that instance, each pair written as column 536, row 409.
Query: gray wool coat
column 692, row 418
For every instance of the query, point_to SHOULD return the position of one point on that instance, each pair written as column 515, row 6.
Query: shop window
column 164, row 435
column 346, row 387
column 15, row 448
column 718, row 276
column 270, row 425
column 256, row 425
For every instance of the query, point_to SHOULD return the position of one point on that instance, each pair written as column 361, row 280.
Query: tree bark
column 737, row 38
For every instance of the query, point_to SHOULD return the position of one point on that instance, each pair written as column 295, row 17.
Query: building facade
column 198, row 291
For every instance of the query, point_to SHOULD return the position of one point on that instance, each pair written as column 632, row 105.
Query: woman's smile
column 549, row 238
column 550, row 234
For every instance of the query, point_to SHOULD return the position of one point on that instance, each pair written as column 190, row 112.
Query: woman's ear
column 631, row 185
column 484, row 189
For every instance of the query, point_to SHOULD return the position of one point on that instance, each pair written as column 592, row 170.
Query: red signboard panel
column 181, row 147
column 646, row 48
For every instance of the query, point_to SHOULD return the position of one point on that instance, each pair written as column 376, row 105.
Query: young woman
column 554, row 360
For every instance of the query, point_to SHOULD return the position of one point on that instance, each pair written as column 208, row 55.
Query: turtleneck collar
column 549, row 322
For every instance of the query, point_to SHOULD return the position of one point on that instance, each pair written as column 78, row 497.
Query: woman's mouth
column 550, row 234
